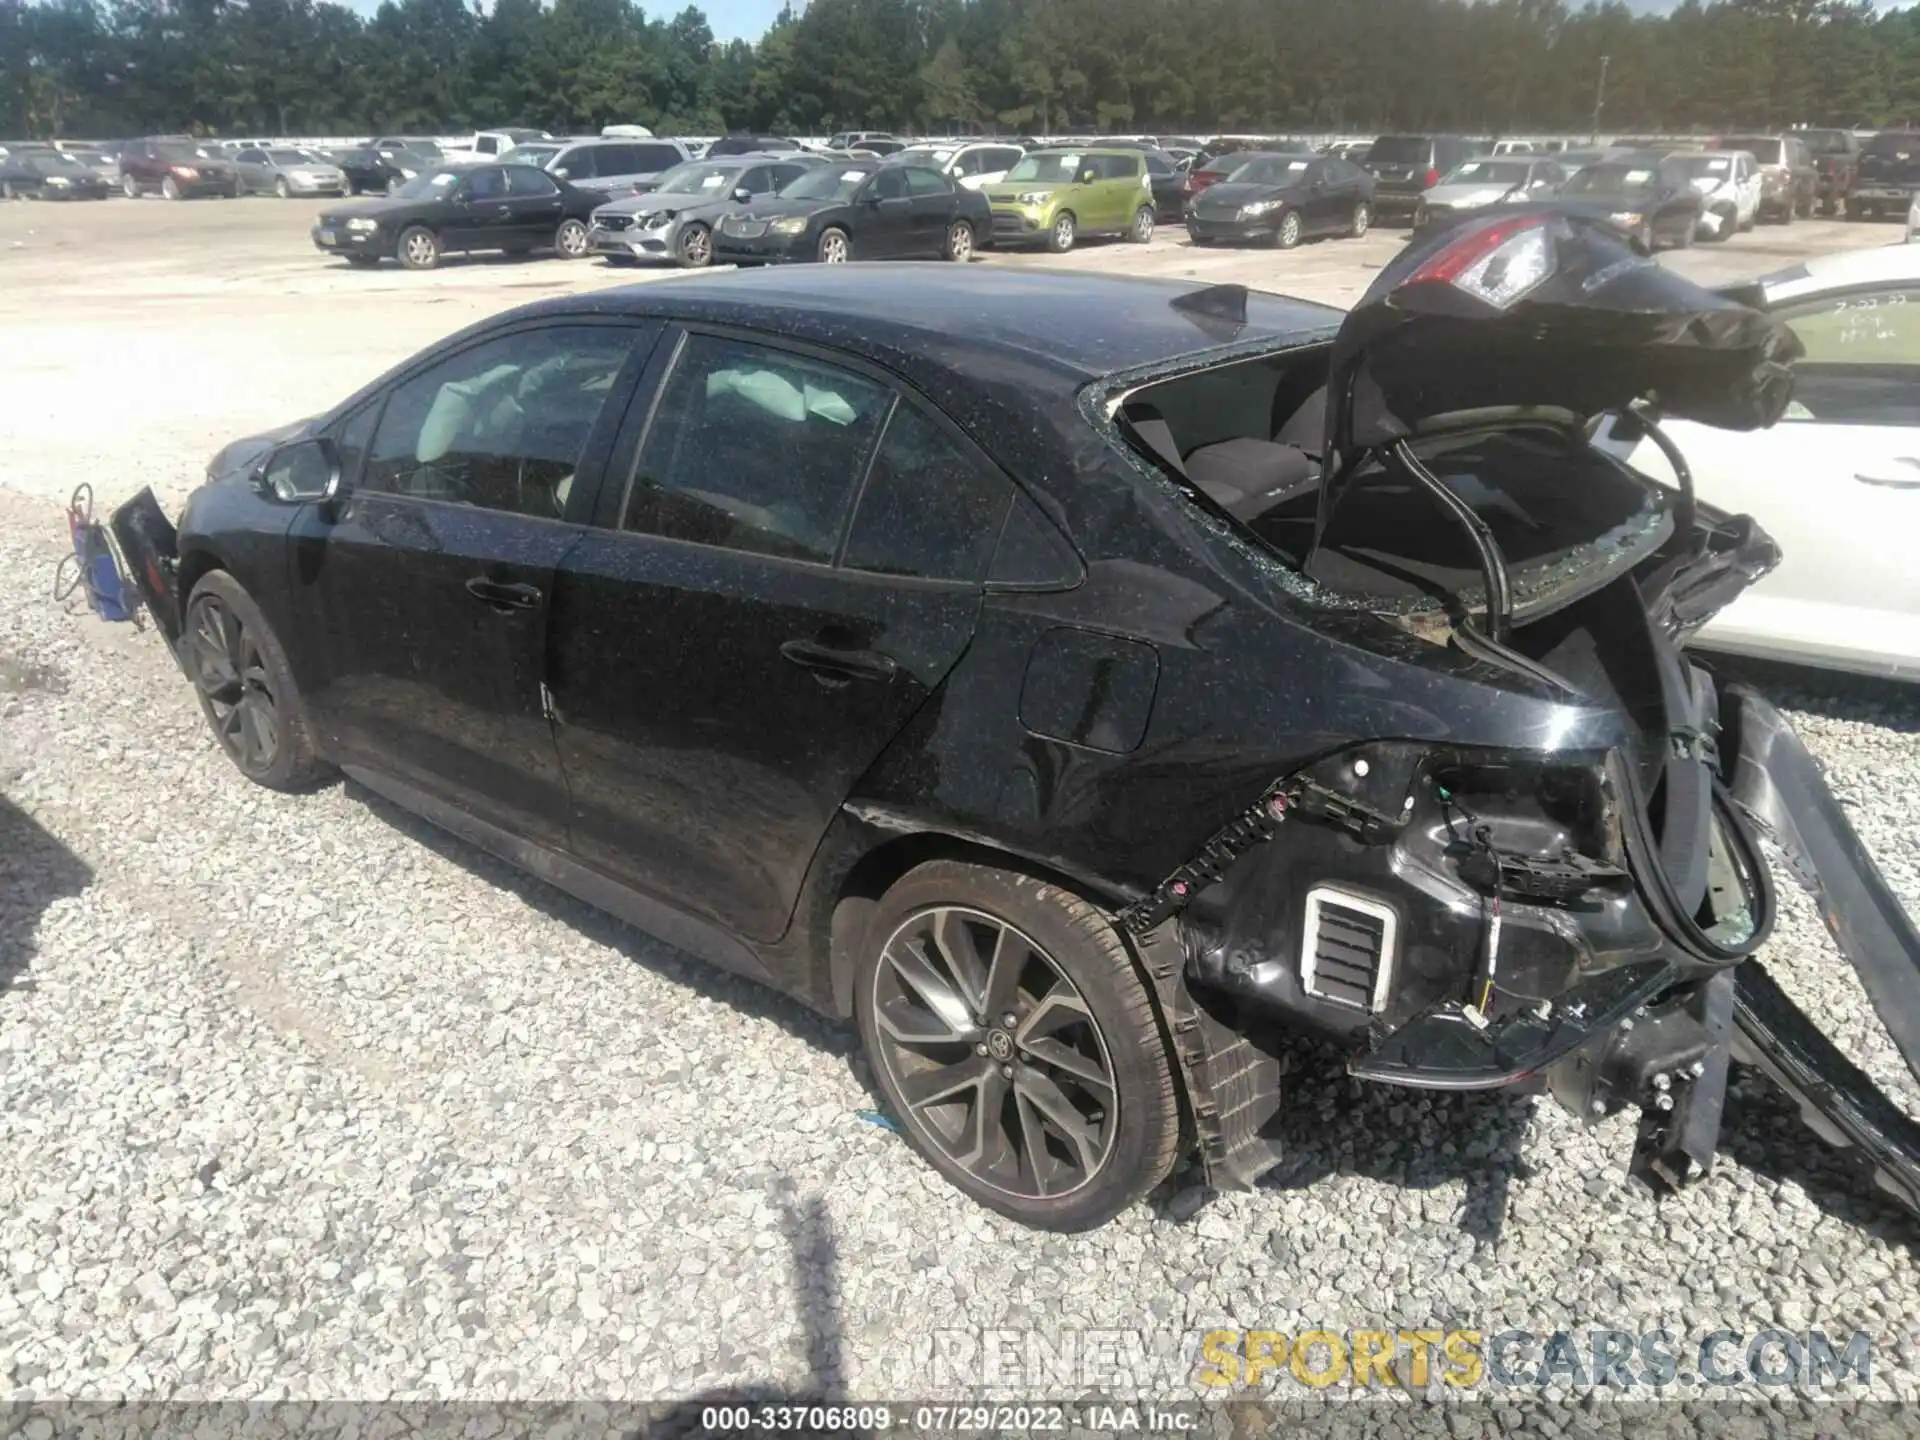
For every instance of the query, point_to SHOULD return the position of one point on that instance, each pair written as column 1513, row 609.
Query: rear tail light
column 1430, row 179
column 1497, row 263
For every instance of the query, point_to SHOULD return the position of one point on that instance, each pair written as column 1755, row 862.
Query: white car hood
column 1466, row 197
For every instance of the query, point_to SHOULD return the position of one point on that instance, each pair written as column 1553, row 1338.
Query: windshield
column 1401, row 150
column 698, row 178
column 922, row 155
column 181, row 152
column 829, row 182
column 429, row 185
column 1268, row 170
column 1767, row 152
column 56, row 165
column 290, row 157
column 1700, row 167
column 1898, row 142
column 1488, row 172
column 1049, row 167
column 1610, row 180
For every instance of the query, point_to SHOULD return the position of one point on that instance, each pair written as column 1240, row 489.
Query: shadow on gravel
column 815, row 1260
column 1333, row 1124
column 746, row 996
column 35, row 871
column 1762, row 1130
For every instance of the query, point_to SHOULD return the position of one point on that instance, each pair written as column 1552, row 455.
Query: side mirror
column 563, row 173
column 742, row 194
column 300, row 473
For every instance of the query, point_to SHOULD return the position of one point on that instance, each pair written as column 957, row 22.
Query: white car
column 1489, row 180
column 1836, row 483
column 968, row 165
column 1913, row 219
column 1729, row 184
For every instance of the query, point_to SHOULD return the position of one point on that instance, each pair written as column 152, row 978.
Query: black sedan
column 985, row 655
column 49, row 175
column 1282, row 200
column 1643, row 193
column 515, row 208
column 369, row 172
column 857, row 210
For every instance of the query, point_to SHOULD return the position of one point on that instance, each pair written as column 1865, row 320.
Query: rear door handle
column 502, row 596
column 835, row 667
column 1894, row 482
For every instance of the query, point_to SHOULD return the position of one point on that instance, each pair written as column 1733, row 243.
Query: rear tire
column 959, row 245
column 1059, row 1120
column 1361, row 222
column 1141, row 231
column 246, row 687
column 1064, row 232
column 419, row 248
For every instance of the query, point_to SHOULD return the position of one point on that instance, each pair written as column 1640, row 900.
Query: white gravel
column 300, row 1099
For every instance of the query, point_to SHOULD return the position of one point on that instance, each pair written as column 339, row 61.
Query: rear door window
column 579, row 164
column 755, row 449
column 523, row 181
column 926, row 182
column 931, row 508
column 647, row 159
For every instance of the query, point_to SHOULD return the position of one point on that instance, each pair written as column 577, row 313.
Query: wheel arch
column 876, row 870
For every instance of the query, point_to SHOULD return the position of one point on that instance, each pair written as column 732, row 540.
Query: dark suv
column 1836, row 158
column 1405, row 167
column 177, row 168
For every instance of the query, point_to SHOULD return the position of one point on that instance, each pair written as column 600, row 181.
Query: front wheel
column 1009, row 1031
column 419, row 248
column 7, row 191
column 1288, row 235
column 695, row 247
column 1141, row 232
column 1064, row 232
column 959, row 246
column 246, row 687
column 835, row 249
column 570, row 240
column 282, row 189
column 129, row 187
column 1361, row 222
column 170, row 188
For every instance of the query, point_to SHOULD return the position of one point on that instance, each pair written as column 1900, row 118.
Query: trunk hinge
column 1254, row 826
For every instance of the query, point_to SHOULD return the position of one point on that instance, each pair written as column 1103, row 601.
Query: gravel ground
column 299, row 1098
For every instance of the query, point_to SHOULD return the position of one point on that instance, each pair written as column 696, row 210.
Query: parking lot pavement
column 299, row 1098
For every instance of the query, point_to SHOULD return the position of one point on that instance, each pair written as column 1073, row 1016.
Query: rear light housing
column 1430, row 179
column 1498, row 263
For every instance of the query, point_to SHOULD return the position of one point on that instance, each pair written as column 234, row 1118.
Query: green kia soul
column 1055, row 196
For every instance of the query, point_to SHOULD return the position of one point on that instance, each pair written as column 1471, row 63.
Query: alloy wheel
column 833, row 248
column 572, row 239
column 696, row 246
column 420, row 248
column 170, row 188
column 960, row 243
column 1143, row 226
column 1063, row 233
column 1289, row 230
column 282, row 189
column 130, row 187
column 230, row 673
column 1362, row 220
column 995, row 1053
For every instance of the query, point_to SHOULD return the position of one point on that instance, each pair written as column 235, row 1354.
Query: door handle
column 834, row 667
column 1894, row 482
column 502, row 596
column 504, row 211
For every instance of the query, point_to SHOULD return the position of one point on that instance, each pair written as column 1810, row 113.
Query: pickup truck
column 491, row 144
column 1836, row 157
column 1888, row 176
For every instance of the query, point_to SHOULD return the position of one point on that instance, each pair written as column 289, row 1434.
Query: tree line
column 129, row 67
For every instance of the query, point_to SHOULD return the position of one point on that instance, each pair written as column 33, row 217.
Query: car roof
column 1843, row 270
column 973, row 320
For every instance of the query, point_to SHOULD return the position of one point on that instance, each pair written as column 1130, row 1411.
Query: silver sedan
column 287, row 172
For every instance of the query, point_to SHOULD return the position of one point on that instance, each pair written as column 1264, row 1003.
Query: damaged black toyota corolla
column 1077, row 680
